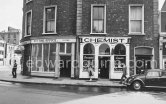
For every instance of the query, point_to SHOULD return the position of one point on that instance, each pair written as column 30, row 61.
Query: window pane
column 28, row 23
column 62, row 47
column 52, row 57
column 104, row 49
column 46, row 56
column 50, row 26
column 34, row 57
column 136, row 13
column 163, row 21
column 98, row 26
column 69, row 47
column 89, row 49
column 98, row 19
column 136, row 26
column 39, row 64
column 50, row 20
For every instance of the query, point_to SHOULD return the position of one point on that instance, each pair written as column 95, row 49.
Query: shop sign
column 113, row 40
column 43, row 41
column 66, row 40
column 25, row 42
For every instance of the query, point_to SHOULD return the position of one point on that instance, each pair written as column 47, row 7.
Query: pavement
column 6, row 75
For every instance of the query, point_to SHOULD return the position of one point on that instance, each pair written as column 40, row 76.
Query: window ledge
column 49, row 33
column 139, row 34
column 163, row 34
column 28, row 1
column 27, row 35
column 98, row 33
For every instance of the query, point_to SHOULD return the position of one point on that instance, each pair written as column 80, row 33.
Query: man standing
column 14, row 69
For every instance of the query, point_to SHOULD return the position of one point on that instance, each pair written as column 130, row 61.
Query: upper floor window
column 98, row 19
column 28, row 21
column 163, row 22
column 49, row 19
column 136, row 19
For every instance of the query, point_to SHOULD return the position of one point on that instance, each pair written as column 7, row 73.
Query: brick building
column 163, row 37
column 49, row 36
column 104, row 33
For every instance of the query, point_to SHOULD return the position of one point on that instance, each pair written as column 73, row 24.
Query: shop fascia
column 48, row 41
column 112, row 40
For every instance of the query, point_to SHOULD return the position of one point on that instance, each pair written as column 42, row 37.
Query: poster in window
column 119, row 62
column 88, row 60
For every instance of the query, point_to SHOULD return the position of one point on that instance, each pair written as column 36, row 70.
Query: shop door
column 65, row 66
column 143, row 63
column 104, row 66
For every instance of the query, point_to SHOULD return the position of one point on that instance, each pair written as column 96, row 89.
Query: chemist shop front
column 107, row 55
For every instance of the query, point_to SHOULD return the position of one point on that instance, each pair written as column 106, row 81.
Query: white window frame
column 136, row 33
column 103, row 5
column 65, row 51
column 27, row 1
column 44, row 19
column 161, row 33
column 26, row 24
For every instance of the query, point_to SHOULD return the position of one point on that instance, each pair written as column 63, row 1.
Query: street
column 14, row 93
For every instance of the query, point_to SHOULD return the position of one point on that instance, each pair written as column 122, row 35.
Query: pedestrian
column 124, row 69
column 14, row 69
column 90, row 69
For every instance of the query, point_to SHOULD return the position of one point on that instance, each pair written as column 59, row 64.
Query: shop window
column 65, row 48
column 98, row 19
column 43, row 57
column 136, row 19
column 119, row 57
column 50, row 19
column 88, row 56
column 104, row 49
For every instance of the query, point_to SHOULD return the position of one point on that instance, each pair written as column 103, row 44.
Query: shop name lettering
column 43, row 41
column 105, row 40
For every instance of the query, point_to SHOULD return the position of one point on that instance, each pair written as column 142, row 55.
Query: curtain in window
column 50, row 19
column 98, row 19
column 136, row 19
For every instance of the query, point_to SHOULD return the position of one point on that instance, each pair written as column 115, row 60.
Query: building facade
column 11, row 36
column 2, row 51
column 62, row 38
column 162, row 22
column 49, row 37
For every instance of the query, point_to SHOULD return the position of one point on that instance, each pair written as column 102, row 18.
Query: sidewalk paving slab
column 5, row 75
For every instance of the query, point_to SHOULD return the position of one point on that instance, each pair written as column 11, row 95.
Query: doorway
column 104, row 66
column 65, row 66
column 143, row 63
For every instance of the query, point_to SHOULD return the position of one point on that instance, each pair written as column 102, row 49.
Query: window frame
column 161, row 33
column 30, row 11
column 65, row 49
column 136, row 33
column 98, row 5
column 44, row 19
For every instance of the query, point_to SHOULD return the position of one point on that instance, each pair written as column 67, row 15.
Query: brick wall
column 66, row 16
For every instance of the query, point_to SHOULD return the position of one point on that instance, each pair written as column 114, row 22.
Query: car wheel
column 137, row 85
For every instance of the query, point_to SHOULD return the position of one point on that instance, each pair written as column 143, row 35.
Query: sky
column 11, row 13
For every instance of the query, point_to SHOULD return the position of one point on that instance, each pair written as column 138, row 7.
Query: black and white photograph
column 82, row 51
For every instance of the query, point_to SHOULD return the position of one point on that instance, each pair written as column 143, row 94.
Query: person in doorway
column 90, row 69
column 124, row 69
column 14, row 69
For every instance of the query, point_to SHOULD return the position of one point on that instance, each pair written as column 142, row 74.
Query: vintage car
column 151, row 78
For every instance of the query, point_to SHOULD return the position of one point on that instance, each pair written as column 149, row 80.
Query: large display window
column 119, row 57
column 43, row 57
column 88, row 56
